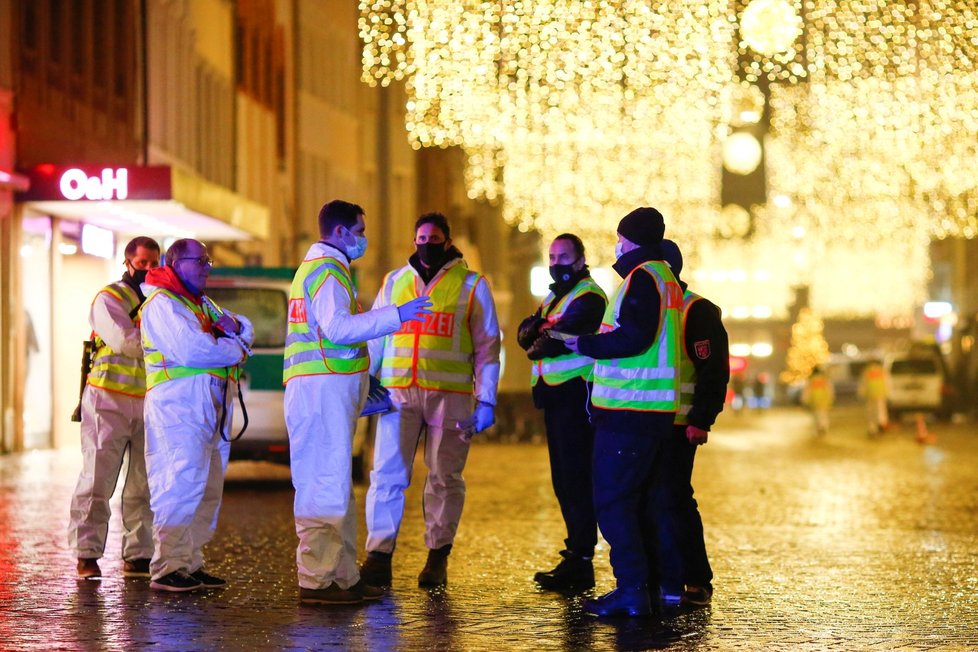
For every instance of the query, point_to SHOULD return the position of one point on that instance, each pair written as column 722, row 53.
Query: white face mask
column 618, row 251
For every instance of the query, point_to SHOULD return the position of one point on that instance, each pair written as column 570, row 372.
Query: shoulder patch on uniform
column 702, row 349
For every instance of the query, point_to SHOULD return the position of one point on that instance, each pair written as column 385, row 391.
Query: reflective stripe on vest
column 562, row 368
column 436, row 354
column 158, row 370
column 113, row 371
column 687, row 371
column 649, row 381
column 307, row 351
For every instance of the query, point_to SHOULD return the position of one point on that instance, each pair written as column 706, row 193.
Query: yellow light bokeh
column 573, row 112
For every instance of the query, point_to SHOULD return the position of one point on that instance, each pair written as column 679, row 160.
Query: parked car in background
column 917, row 381
column 262, row 295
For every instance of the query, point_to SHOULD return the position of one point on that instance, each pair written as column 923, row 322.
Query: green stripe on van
column 265, row 371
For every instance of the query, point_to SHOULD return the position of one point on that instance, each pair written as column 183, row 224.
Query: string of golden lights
column 575, row 111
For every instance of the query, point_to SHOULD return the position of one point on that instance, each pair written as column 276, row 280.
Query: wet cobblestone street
column 844, row 542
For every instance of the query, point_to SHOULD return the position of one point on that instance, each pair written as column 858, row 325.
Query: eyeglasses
column 201, row 260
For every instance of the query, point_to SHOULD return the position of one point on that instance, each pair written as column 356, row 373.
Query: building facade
column 229, row 121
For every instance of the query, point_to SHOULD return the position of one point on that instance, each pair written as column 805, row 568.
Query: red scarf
column 165, row 278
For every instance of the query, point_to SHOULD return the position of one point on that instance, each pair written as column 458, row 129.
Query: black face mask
column 563, row 273
column 139, row 276
column 432, row 254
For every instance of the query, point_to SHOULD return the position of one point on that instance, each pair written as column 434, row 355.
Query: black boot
column 376, row 569
column 435, row 571
column 573, row 572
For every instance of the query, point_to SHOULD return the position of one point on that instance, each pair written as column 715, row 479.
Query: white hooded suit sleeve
column 110, row 320
column 484, row 327
column 177, row 334
column 331, row 308
column 375, row 346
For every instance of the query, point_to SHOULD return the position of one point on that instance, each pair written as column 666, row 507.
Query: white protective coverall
column 186, row 457
column 321, row 411
column 111, row 422
column 434, row 413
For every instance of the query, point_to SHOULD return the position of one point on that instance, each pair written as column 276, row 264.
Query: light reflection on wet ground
column 840, row 543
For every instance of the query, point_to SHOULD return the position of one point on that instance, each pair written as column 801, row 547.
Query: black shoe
column 376, row 569
column 207, row 580
column 573, row 572
column 135, row 568
column 176, row 582
column 435, row 571
column 697, row 596
column 631, row 601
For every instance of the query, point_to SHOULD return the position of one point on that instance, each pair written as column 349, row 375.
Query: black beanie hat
column 672, row 255
column 643, row 226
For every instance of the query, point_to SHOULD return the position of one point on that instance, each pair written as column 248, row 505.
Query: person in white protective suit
column 192, row 351
column 326, row 386
column 112, row 423
column 443, row 375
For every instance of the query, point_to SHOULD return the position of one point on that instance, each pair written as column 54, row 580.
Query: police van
column 262, row 295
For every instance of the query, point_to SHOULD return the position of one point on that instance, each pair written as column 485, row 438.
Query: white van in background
column 262, row 295
column 917, row 382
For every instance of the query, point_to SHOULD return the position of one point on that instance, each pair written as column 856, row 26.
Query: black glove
column 546, row 347
column 529, row 331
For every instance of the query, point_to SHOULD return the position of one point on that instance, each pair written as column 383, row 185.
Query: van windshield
column 914, row 366
column 265, row 307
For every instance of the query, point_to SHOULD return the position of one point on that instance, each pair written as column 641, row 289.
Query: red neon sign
column 75, row 184
column 97, row 183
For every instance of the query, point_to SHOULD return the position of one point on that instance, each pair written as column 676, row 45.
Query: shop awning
column 159, row 201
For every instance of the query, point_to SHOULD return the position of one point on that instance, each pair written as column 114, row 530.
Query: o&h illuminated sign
column 83, row 183
column 75, row 184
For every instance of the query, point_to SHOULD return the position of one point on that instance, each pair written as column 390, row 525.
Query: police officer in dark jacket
column 635, row 398
column 574, row 305
column 704, row 373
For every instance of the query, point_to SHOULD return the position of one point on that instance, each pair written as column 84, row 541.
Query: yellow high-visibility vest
column 875, row 382
column 307, row 351
column 113, row 371
column 560, row 369
column 158, row 369
column 687, row 371
column 649, row 381
column 436, row 354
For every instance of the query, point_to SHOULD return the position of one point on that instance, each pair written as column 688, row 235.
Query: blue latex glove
column 482, row 417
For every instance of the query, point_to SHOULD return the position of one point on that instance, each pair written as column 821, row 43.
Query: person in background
column 819, row 395
column 192, row 350
column 562, row 389
column 872, row 389
column 112, row 424
column 326, row 386
column 704, row 371
column 443, row 375
column 636, row 397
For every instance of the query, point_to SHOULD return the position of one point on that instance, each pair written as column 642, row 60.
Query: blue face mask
column 618, row 251
column 358, row 248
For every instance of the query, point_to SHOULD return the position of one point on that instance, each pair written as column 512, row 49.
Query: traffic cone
column 924, row 436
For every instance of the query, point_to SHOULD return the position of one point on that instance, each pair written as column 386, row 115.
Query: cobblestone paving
column 841, row 543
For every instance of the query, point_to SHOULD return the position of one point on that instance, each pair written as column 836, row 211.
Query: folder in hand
column 378, row 399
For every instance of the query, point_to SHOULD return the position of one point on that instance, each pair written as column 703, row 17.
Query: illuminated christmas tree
column 808, row 347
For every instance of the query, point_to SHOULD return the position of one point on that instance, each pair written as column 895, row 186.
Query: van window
column 265, row 307
column 922, row 366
